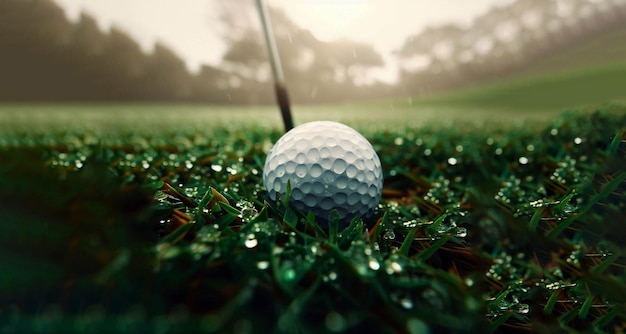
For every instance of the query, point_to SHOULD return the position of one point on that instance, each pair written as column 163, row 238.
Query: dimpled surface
column 330, row 166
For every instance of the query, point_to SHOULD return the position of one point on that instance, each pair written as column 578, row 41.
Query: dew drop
column 374, row 265
column 217, row 168
column 452, row 161
column 523, row 160
column 461, row 232
column 248, row 213
column 504, row 305
column 406, row 303
column 523, row 308
column 395, row 267
column 263, row 265
column 389, row 235
column 251, row 241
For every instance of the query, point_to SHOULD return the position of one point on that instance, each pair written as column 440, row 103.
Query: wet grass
column 115, row 221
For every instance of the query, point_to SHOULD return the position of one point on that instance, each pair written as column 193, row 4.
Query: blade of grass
column 606, row 190
column 380, row 225
column 549, row 307
column 495, row 325
column 408, row 240
column 600, row 268
column 333, row 227
column 612, row 148
column 290, row 218
column 604, row 321
column 535, row 219
column 584, row 309
column 567, row 317
column 427, row 253
column 229, row 209
column 178, row 233
column 310, row 221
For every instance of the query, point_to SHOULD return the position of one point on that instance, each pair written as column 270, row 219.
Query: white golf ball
column 329, row 166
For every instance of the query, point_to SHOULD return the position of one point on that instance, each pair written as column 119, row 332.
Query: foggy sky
column 189, row 27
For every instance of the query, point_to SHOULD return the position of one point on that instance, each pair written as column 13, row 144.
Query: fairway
column 141, row 117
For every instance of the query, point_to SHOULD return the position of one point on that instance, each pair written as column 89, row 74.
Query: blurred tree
column 124, row 64
column 315, row 70
column 501, row 42
column 247, row 57
column 166, row 75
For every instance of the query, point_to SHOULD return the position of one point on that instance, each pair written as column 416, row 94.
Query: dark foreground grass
column 479, row 231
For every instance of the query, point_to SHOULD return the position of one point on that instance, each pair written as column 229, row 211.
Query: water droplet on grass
column 251, row 241
column 263, row 265
column 374, row 265
column 248, row 213
column 389, row 235
column 393, row 268
column 406, row 303
column 523, row 308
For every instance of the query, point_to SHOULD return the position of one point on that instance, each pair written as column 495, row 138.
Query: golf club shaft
column 282, row 97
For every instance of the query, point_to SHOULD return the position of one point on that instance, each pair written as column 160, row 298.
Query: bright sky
column 188, row 27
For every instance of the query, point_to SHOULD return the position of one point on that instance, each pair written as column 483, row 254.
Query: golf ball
column 329, row 166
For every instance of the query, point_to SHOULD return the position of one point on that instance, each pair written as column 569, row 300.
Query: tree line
column 46, row 57
column 502, row 41
column 53, row 59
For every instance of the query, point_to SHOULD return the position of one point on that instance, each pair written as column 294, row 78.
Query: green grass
column 608, row 48
column 114, row 221
column 552, row 91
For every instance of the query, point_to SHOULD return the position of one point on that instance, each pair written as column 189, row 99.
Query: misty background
column 331, row 51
